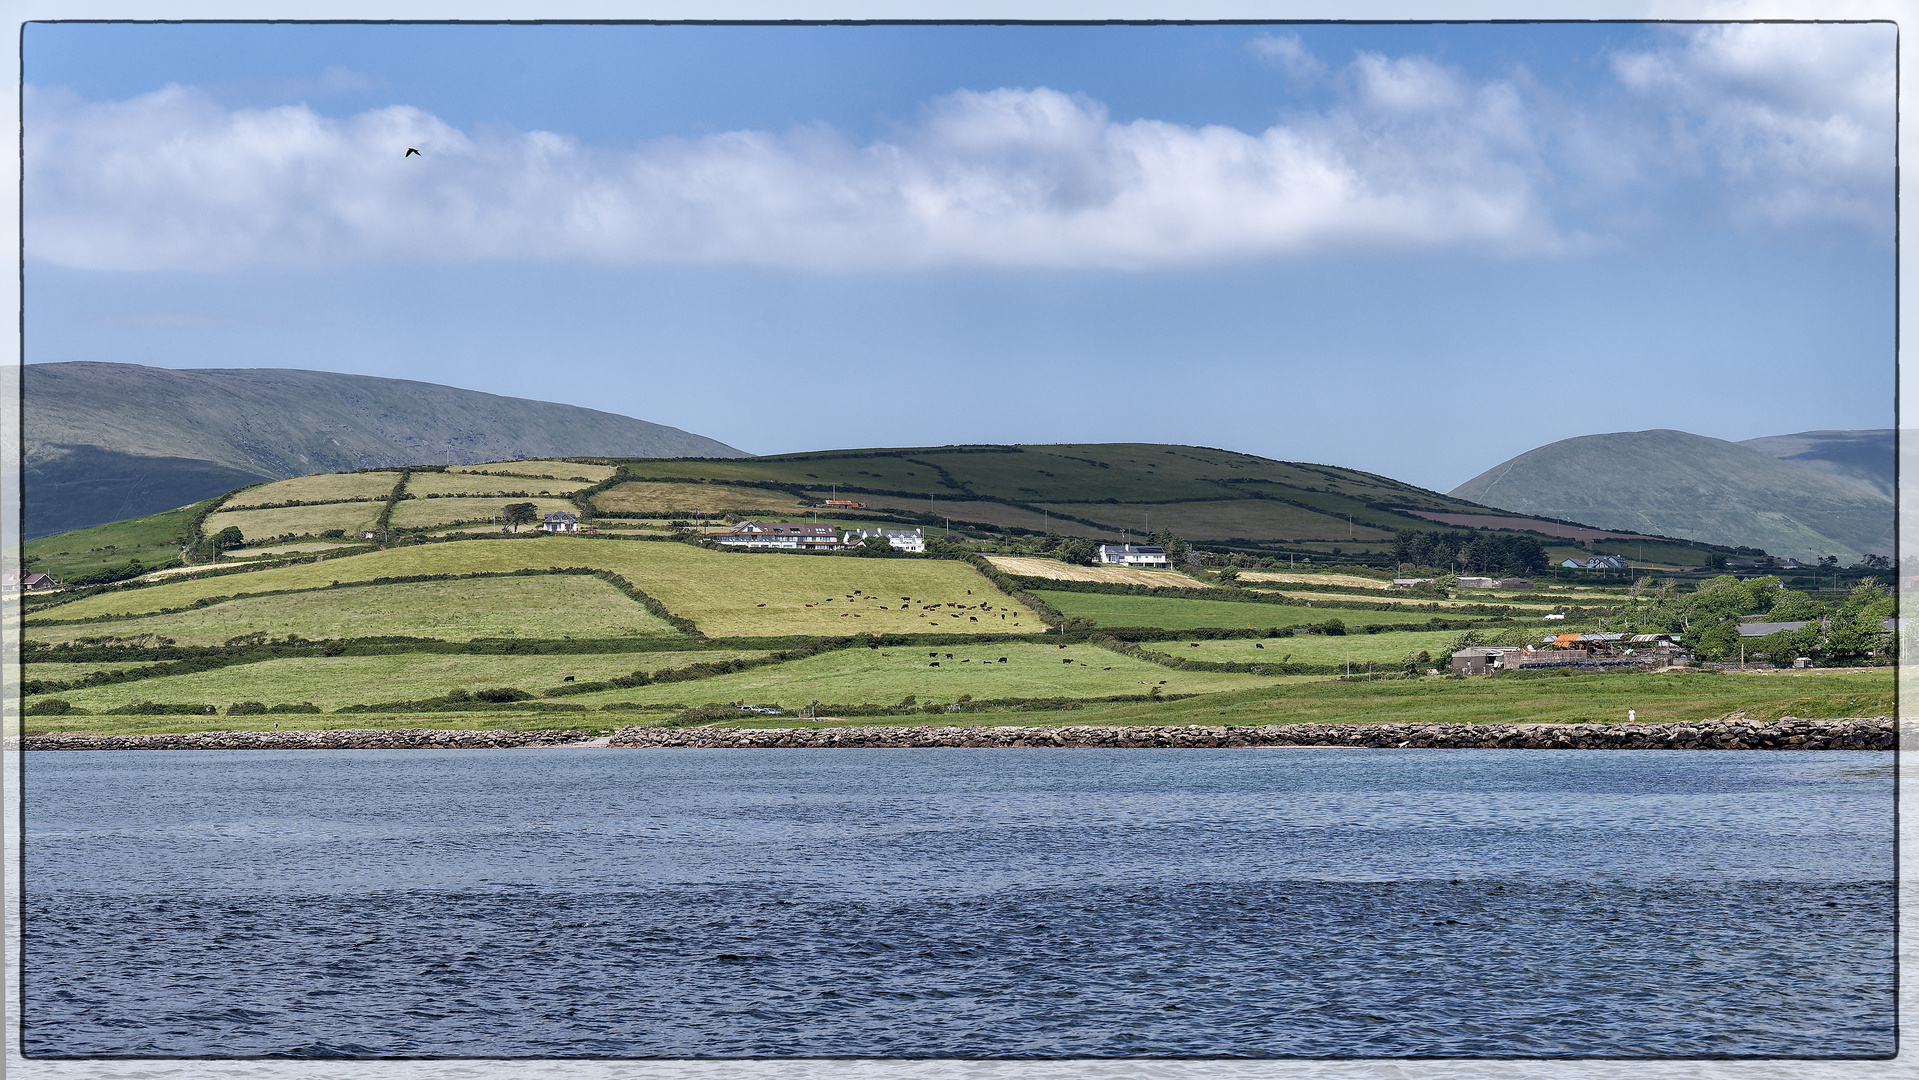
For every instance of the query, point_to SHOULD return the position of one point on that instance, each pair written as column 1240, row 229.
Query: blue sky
column 1416, row 250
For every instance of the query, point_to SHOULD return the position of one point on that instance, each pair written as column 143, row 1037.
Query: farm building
column 1596, row 562
column 16, row 581
column 1477, row 583
column 1485, row 659
column 1513, row 583
column 845, row 504
column 560, row 522
column 1133, row 555
column 1410, row 582
column 901, row 539
column 790, row 535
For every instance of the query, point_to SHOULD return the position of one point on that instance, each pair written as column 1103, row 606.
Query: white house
column 901, row 539
column 780, row 534
column 1133, row 555
column 560, row 522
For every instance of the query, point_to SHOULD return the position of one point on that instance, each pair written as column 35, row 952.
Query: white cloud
column 1796, row 121
column 1288, row 53
column 1000, row 178
column 1409, row 156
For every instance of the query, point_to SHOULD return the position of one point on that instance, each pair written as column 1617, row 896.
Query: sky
column 1415, row 250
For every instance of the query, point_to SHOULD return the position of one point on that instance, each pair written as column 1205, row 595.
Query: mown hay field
column 649, row 499
column 886, row 676
column 1287, row 577
column 319, row 488
column 722, row 592
column 333, row 682
column 423, row 484
column 540, row 467
column 1182, row 614
column 426, row 513
column 299, row 520
column 551, row 606
column 1113, row 575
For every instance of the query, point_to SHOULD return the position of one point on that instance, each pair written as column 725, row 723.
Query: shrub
column 246, row 708
column 303, row 707
column 50, row 707
column 502, row 694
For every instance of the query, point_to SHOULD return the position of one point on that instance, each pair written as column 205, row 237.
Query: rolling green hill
column 104, row 442
column 1090, row 489
column 1677, row 484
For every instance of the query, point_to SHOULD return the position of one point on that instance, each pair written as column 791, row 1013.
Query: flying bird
column 410, row 152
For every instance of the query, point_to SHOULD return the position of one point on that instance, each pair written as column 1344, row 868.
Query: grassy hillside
column 1865, row 458
column 154, row 540
column 110, row 441
column 1095, row 490
column 1677, row 484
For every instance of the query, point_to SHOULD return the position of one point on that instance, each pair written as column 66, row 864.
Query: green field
column 257, row 525
column 426, row 513
column 1174, row 613
column 1598, row 698
column 335, row 681
column 320, row 488
column 154, row 540
column 1388, row 648
column 1226, row 520
column 546, row 607
column 885, row 676
column 722, row 592
column 540, row 468
column 423, row 484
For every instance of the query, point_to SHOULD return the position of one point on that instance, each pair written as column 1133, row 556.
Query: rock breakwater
column 339, row 739
column 1789, row 733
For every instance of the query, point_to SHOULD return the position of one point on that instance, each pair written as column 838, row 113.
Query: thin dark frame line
column 13, row 646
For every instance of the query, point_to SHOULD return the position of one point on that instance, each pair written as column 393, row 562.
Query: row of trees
column 1707, row 621
column 1470, row 553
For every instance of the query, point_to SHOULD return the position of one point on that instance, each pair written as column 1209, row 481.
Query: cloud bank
column 1410, row 155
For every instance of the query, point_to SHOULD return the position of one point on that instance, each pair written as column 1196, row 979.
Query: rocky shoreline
column 1788, row 733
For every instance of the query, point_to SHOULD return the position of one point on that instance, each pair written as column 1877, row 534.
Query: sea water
column 958, row 903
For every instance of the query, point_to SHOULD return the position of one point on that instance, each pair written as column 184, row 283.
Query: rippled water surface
column 973, row 903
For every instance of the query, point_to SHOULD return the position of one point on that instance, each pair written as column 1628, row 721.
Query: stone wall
column 1790, row 733
column 340, row 739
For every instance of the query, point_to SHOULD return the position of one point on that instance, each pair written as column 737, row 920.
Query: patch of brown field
column 1290, row 577
column 1113, row 575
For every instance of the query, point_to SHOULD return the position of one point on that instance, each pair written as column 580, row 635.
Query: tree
column 521, row 513
column 1078, row 552
column 228, row 537
column 875, row 545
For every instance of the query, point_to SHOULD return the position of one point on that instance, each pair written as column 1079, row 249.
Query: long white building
column 901, row 539
column 1134, row 555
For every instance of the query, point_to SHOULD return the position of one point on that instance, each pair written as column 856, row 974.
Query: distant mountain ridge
column 110, row 441
column 1862, row 457
column 1805, row 496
